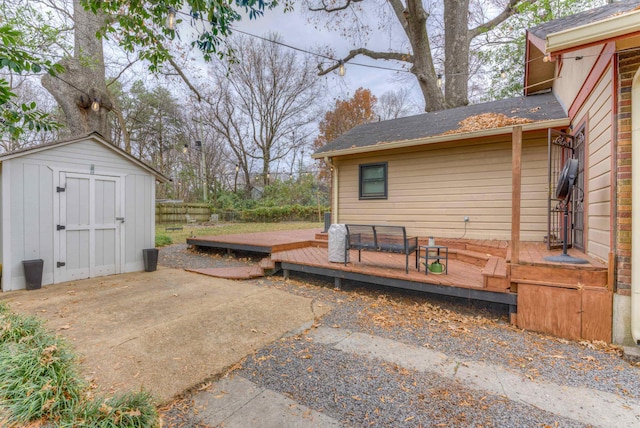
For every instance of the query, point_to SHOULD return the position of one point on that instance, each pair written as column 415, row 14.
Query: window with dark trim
column 373, row 181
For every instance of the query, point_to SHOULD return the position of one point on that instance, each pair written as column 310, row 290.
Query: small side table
column 433, row 252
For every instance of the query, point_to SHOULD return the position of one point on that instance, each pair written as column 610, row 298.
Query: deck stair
column 265, row 267
column 495, row 274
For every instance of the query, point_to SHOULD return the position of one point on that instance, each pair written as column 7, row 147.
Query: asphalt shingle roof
column 535, row 107
column 583, row 18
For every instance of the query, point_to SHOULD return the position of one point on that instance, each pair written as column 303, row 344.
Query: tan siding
column 597, row 109
column 574, row 73
column 433, row 189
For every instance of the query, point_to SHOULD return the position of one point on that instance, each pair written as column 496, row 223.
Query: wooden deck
column 259, row 242
column 566, row 300
column 571, row 301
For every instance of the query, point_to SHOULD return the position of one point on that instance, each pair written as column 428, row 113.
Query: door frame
column 58, row 274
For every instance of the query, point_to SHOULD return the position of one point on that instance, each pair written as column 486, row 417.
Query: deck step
column 239, row 272
column 496, row 267
column 471, row 257
column 494, row 274
column 267, row 263
column 322, row 236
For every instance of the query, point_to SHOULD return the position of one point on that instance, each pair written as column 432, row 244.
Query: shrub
column 39, row 380
column 162, row 240
column 38, row 377
column 131, row 410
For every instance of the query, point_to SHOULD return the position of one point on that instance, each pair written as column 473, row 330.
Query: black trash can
column 150, row 257
column 33, row 273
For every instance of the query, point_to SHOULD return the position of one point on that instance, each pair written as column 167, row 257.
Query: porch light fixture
column 439, row 81
column 171, row 18
column 547, row 58
column 341, row 70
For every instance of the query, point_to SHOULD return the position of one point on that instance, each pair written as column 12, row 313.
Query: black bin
column 150, row 257
column 33, row 273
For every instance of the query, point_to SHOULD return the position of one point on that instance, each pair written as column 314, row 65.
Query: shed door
column 89, row 226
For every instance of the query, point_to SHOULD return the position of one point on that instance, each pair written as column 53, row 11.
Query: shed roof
column 583, row 18
column 93, row 136
column 543, row 111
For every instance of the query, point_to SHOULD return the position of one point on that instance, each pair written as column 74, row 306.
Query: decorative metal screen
column 560, row 149
column 577, row 198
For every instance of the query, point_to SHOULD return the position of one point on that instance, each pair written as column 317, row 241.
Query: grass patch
column 189, row 230
column 163, row 239
column 39, row 380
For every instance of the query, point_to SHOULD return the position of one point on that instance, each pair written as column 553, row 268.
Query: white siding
column 430, row 191
column 598, row 205
column 139, row 219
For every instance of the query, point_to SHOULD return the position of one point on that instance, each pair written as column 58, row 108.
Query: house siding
column 597, row 112
column 573, row 73
column 628, row 64
column 431, row 190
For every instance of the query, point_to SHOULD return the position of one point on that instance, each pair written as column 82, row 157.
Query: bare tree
column 420, row 32
column 265, row 103
column 395, row 104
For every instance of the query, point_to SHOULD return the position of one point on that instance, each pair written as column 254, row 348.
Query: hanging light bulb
column 503, row 74
column 185, row 148
column 171, row 18
column 341, row 69
column 439, row 81
column 237, row 168
column 547, row 58
column 95, row 104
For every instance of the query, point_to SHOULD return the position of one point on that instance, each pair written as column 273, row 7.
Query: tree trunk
column 456, row 52
column 414, row 23
column 83, row 79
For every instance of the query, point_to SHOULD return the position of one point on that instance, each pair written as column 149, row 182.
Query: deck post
column 516, row 183
column 337, row 283
column 285, row 274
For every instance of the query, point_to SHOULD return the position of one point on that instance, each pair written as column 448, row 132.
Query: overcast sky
column 296, row 30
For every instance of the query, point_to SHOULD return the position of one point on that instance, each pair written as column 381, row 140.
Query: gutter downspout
column 635, row 209
column 334, row 189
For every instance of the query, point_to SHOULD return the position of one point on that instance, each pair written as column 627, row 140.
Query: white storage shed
column 83, row 205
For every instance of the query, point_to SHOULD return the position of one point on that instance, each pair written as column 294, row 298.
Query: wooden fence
column 182, row 212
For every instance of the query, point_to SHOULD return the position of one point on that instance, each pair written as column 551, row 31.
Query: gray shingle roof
column 583, row 18
column 534, row 107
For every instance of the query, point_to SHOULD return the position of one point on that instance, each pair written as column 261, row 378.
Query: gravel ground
column 361, row 391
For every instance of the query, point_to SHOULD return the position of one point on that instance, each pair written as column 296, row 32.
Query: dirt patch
column 164, row 331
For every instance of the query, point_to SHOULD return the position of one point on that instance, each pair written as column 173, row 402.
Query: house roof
column 583, row 18
column 93, row 136
column 544, row 111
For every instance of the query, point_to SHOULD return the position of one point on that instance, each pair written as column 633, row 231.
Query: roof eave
column 484, row 133
column 606, row 29
column 157, row 174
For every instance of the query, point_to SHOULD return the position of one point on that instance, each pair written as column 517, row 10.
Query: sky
column 296, row 30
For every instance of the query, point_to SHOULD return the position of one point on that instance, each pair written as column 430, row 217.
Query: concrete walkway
column 237, row 402
column 164, row 331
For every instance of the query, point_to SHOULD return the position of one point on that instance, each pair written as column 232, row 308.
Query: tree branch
column 185, row 79
column 507, row 12
column 326, row 8
column 397, row 56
